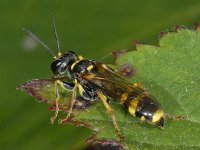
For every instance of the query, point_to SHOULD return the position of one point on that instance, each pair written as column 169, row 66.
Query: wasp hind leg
column 177, row 118
column 103, row 98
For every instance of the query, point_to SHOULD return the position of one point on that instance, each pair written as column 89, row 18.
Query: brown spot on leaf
column 33, row 88
column 196, row 26
column 127, row 70
column 44, row 91
column 105, row 145
column 162, row 34
column 117, row 54
column 179, row 27
column 80, row 104
column 72, row 121
column 136, row 42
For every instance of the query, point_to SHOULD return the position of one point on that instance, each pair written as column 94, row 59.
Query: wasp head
column 62, row 64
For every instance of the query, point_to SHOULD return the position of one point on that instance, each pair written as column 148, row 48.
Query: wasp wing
column 106, row 79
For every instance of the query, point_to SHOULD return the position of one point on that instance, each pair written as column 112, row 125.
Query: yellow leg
column 73, row 100
column 56, row 102
column 139, row 85
column 175, row 117
column 109, row 109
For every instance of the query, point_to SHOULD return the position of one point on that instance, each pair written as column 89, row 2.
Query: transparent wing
column 108, row 80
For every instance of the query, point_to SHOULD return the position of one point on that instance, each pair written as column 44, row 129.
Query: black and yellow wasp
column 96, row 81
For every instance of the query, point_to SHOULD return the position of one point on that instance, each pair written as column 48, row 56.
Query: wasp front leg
column 103, row 98
column 64, row 85
column 72, row 102
column 56, row 101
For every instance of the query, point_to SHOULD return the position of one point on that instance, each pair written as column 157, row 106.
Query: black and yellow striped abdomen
column 143, row 106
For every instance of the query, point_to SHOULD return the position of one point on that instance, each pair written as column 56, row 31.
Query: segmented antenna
column 56, row 35
column 35, row 37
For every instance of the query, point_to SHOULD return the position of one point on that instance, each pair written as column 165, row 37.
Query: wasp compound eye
column 58, row 66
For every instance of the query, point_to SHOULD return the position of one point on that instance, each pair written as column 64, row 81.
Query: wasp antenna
column 56, row 35
column 105, row 56
column 35, row 37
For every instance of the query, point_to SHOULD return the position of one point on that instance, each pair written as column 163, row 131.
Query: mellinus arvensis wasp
column 96, row 81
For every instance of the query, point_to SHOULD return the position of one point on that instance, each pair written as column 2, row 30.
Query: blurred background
column 93, row 28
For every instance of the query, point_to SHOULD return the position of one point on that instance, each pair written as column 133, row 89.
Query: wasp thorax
column 63, row 63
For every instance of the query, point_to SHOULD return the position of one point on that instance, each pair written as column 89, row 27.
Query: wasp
column 95, row 81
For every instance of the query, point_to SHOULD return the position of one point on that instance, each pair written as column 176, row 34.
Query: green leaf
column 170, row 72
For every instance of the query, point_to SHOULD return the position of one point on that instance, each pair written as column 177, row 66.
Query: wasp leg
column 64, row 85
column 176, row 117
column 139, row 85
column 56, row 102
column 68, row 85
column 109, row 109
column 73, row 100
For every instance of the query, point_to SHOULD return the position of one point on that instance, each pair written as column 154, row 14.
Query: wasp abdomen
column 143, row 106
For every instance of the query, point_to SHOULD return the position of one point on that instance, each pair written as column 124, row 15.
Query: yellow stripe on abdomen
column 143, row 106
column 133, row 106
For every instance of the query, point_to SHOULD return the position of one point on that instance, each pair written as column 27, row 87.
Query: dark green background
column 93, row 28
